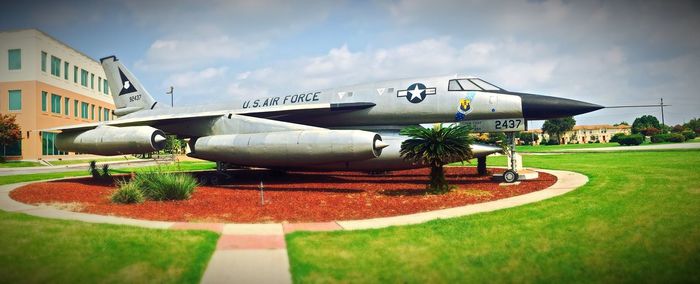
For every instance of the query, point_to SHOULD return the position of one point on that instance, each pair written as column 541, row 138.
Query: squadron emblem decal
column 416, row 93
column 465, row 106
column 127, row 87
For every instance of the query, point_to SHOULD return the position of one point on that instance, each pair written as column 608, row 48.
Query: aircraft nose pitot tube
column 289, row 148
column 110, row 140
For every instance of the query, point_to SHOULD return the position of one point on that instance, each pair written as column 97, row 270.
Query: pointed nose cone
column 537, row 107
column 159, row 138
column 379, row 144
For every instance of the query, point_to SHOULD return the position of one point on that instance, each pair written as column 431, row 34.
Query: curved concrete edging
column 244, row 250
column 566, row 182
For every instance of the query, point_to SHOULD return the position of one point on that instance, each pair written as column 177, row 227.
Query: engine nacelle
column 289, row 148
column 110, row 140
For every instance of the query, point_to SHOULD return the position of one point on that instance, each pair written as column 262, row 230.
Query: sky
column 604, row 52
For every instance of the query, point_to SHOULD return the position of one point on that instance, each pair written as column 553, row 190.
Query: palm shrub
column 93, row 170
column 127, row 192
column 435, row 147
column 165, row 186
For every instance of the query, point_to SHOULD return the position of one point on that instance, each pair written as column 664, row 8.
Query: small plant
column 105, row 171
column 127, row 193
column 93, row 170
column 166, row 186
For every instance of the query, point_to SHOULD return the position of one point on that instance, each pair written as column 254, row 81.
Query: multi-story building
column 46, row 83
column 584, row 134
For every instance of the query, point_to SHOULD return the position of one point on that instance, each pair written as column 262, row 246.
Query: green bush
column 616, row 137
column 660, row 138
column 676, row 138
column 128, row 192
column 689, row 135
column 165, row 186
column 634, row 139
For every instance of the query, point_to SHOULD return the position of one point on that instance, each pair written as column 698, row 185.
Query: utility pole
column 172, row 95
column 662, row 113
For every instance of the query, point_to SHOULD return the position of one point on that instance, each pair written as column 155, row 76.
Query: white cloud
column 503, row 62
column 180, row 54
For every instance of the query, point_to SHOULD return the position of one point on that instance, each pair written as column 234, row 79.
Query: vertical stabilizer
column 128, row 93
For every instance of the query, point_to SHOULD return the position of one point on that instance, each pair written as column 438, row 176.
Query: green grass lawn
column 556, row 148
column 182, row 166
column 19, row 164
column 37, row 250
column 637, row 220
column 87, row 161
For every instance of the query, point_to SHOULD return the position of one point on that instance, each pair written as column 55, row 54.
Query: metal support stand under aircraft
column 511, row 174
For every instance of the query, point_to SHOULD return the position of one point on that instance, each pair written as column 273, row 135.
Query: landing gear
column 220, row 176
column 511, row 175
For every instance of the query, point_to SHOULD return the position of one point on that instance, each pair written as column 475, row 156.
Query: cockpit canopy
column 471, row 84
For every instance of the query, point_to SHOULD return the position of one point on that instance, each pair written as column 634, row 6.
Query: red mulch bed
column 294, row 197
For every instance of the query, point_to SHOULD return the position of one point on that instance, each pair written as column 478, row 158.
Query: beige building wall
column 585, row 134
column 32, row 82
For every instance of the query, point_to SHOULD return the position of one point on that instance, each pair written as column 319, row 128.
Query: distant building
column 47, row 83
column 584, row 134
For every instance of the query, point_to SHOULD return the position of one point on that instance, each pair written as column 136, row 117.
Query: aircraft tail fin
column 128, row 93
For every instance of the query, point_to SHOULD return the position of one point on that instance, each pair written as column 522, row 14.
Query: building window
column 92, row 112
column 55, row 66
column 43, row 61
column 48, row 145
column 84, row 110
column 14, row 59
column 92, row 81
column 99, row 84
column 65, row 105
column 75, row 108
column 105, row 89
column 43, row 100
column 99, row 113
column 106, row 114
column 84, row 77
column 56, row 103
column 15, row 97
column 14, row 149
column 65, row 70
column 75, row 74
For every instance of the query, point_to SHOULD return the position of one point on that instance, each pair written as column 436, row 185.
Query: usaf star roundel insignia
column 416, row 93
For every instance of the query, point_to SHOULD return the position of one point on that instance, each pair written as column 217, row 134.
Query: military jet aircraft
column 345, row 128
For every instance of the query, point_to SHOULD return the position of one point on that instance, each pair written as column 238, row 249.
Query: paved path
column 256, row 253
column 75, row 167
column 689, row 145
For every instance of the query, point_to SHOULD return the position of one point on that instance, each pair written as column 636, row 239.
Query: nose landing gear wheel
column 510, row 176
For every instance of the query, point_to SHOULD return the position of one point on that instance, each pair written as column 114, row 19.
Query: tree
column 644, row 122
column 526, row 138
column 677, row 128
column 650, row 131
column 693, row 125
column 557, row 127
column 9, row 130
column 621, row 123
column 436, row 147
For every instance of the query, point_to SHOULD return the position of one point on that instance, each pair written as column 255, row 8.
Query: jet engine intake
column 289, row 148
column 110, row 140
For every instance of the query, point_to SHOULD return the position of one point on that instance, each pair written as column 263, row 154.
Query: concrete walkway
column 75, row 167
column 256, row 253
